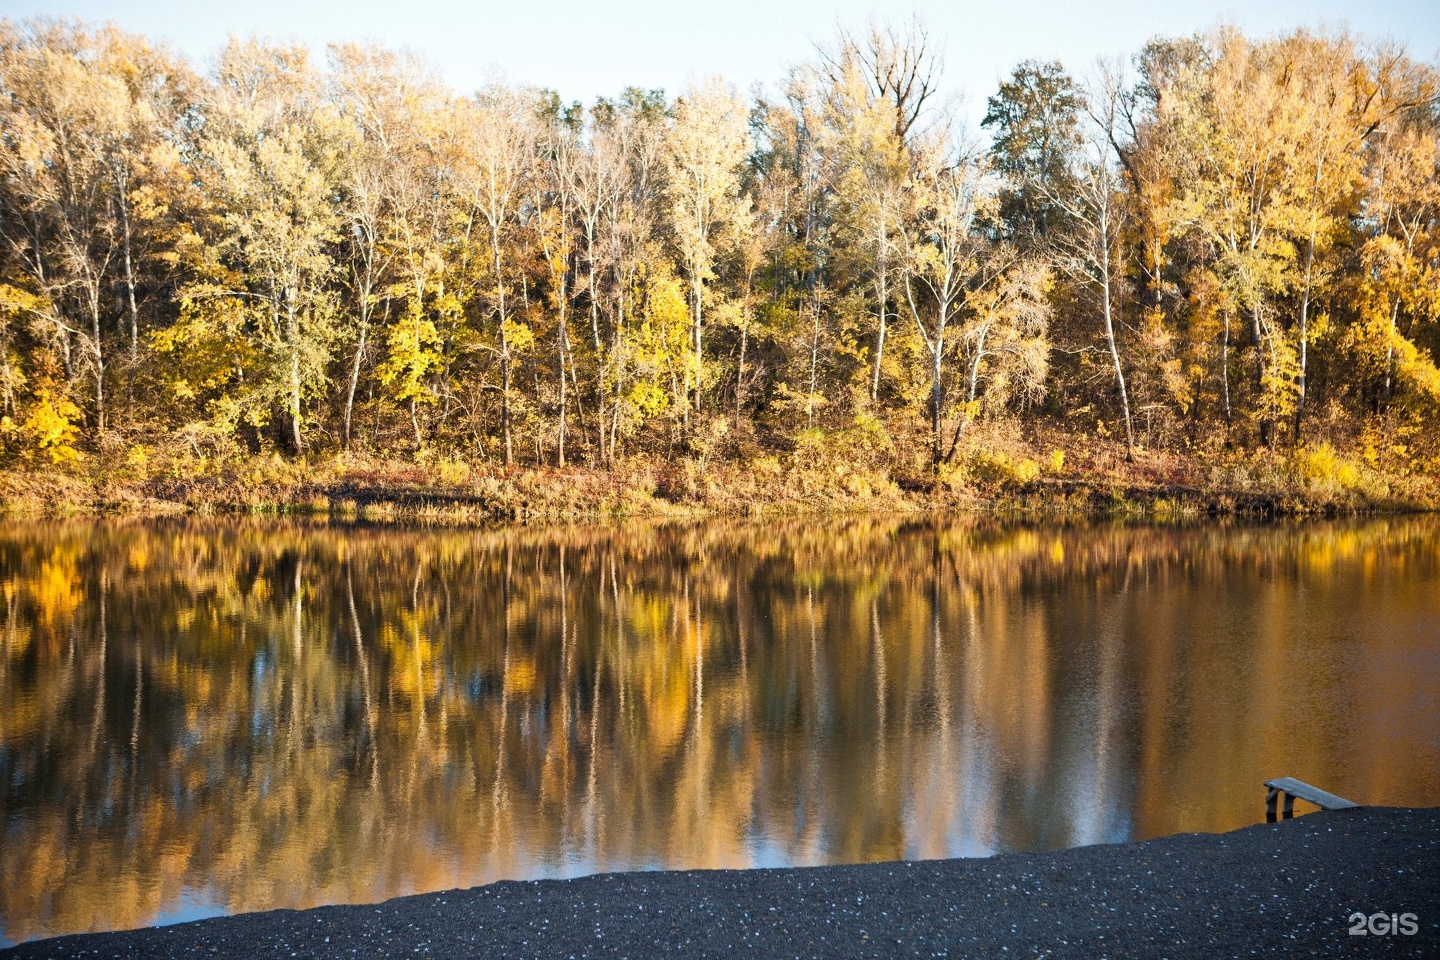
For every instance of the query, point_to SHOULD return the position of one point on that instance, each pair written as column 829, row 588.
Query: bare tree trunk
column 1300, row 380
column 539, row 434
column 699, row 356
column 1390, row 349
column 365, row 284
column 881, row 278
column 1394, row 323
column 594, row 301
column 132, row 307
column 595, row 335
column 505, row 377
column 99, row 351
column 1225, row 366
column 937, row 397
column 293, row 328
column 563, row 345
column 814, row 366
column 505, row 371
column 1115, row 359
column 974, row 378
column 1257, row 337
column 740, row 368
column 354, row 378
column 614, row 423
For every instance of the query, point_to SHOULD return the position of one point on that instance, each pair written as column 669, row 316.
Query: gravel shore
column 1271, row 890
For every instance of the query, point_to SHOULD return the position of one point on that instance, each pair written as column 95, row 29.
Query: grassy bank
column 1041, row 479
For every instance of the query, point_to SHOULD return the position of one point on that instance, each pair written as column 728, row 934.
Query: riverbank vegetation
column 1203, row 278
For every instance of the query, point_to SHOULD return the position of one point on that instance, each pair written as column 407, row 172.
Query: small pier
column 1290, row 788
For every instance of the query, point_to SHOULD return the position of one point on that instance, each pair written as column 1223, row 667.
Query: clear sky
column 585, row 48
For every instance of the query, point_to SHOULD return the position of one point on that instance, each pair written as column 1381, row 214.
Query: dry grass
column 1040, row 472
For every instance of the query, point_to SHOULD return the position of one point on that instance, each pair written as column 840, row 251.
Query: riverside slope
column 1270, row 890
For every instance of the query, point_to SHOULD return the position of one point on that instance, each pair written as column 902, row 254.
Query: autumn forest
column 1217, row 261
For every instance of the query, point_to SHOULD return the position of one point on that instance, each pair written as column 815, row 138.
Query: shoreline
column 1283, row 889
column 549, row 494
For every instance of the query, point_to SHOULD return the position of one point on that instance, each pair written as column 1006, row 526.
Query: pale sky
column 587, row 48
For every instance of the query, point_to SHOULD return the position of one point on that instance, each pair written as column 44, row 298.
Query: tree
column 1094, row 207
column 277, row 153
column 1335, row 113
column 285, row 254
column 899, row 66
column 399, row 206
column 798, row 160
column 1035, row 124
column 84, row 116
column 623, row 209
column 1004, row 343
column 876, row 97
column 1236, row 134
column 1398, row 289
column 555, row 206
column 707, row 144
column 501, row 138
column 946, row 263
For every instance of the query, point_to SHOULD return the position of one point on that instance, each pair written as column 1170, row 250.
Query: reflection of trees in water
column 288, row 714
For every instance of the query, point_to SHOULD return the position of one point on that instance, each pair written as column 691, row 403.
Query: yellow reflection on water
column 235, row 716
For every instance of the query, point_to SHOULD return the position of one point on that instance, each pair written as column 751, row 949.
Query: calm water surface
column 210, row 717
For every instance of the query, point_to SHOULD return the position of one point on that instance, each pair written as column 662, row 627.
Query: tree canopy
column 1237, row 237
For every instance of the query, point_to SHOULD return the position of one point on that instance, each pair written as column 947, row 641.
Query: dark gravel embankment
column 1283, row 890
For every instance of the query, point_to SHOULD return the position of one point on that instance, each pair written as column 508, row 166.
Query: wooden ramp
column 1291, row 788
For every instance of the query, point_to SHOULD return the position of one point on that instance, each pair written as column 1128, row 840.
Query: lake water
column 203, row 716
